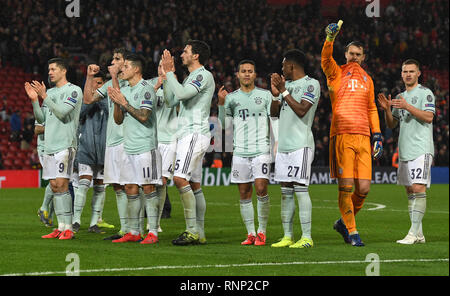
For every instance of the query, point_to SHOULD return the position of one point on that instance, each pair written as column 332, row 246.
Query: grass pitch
column 382, row 221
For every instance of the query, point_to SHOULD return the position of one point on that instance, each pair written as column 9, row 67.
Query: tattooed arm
column 121, row 105
column 140, row 115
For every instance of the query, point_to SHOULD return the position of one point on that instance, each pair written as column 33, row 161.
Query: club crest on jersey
column 258, row 101
column 414, row 100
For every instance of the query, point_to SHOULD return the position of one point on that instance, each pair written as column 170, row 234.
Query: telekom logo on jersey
column 223, row 142
column 353, row 84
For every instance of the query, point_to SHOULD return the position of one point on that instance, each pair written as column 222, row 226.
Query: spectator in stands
column 442, row 156
column 16, row 126
column 26, row 137
column 236, row 33
column 3, row 109
column 1, row 162
column 34, row 159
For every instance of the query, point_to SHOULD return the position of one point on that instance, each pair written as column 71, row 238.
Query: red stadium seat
column 7, row 163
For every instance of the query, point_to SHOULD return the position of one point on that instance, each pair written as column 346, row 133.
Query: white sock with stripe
column 263, row 207
column 304, row 209
column 248, row 216
column 287, row 211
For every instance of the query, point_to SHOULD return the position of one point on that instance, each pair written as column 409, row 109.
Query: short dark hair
column 201, row 48
column 354, row 43
column 100, row 74
column 137, row 60
column 296, row 56
column 122, row 50
column 60, row 62
column 411, row 62
column 251, row 62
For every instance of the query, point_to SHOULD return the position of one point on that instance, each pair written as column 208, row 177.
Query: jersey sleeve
column 147, row 97
column 268, row 102
column 225, row 111
column 312, row 92
column 103, row 90
column 75, row 95
column 329, row 65
column 428, row 102
column 182, row 92
column 374, row 119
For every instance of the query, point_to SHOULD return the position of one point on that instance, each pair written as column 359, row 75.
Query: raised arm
column 168, row 68
column 385, row 104
column 89, row 95
column 329, row 65
column 34, row 97
column 222, row 93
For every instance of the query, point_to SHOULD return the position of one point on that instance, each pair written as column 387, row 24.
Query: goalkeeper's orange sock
column 346, row 208
column 358, row 201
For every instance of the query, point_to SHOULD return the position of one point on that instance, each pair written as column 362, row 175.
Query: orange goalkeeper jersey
column 352, row 96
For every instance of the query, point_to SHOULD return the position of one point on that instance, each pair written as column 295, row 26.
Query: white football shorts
column 189, row 157
column 247, row 169
column 417, row 171
column 141, row 169
column 113, row 164
column 95, row 171
column 168, row 153
column 58, row 165
column 294, row 166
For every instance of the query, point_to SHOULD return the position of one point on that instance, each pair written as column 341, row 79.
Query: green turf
column 23, row 251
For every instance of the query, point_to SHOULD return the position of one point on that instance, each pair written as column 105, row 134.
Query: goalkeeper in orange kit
column 354, row 121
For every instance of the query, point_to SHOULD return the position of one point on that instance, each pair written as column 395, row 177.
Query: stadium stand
column 31, row 32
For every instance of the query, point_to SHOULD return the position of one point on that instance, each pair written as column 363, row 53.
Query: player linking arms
column 355, row 117
column 414, row 110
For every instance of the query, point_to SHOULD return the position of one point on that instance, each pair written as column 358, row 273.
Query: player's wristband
column 285, row 93
column 275, row 98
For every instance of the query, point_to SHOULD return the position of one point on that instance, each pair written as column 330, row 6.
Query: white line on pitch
column 226, row 266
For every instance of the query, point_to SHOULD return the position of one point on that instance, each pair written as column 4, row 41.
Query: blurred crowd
column 32, row 31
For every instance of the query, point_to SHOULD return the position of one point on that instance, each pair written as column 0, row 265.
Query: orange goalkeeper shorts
column 350, row 157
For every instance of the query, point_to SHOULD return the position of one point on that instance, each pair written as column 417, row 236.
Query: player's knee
column 363, row 191
column 131, row 189
column 118, row 187
column 180, row 182
column 418, row 188
column 261, row 191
